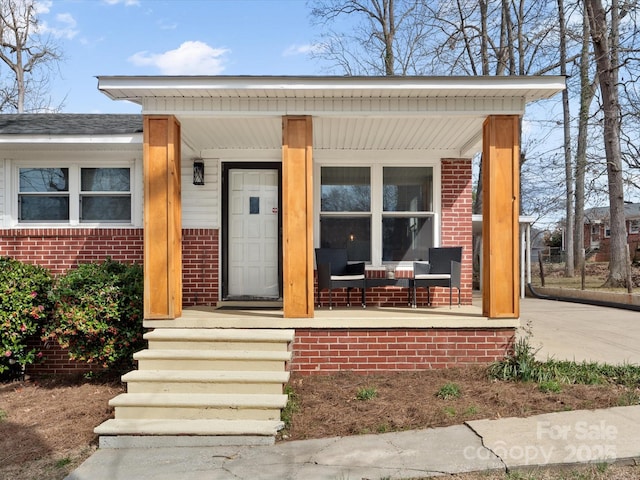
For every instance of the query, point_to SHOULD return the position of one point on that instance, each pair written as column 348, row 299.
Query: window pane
column 44, row 180
column 106, row 209
column 345, row 189
column 407, row 189
column 352, row 233
column 42, row 208
column 104, row 180
column 406, row 238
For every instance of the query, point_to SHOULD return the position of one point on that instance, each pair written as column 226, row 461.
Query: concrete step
column 219, row 339
column 231, row 360
column 198, row 406
column 188, row 427
column 199, row 381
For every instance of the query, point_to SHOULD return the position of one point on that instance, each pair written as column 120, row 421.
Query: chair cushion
column 433, row 276
column 347, row 277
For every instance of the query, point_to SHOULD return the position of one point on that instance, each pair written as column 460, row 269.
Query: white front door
column 253, row 234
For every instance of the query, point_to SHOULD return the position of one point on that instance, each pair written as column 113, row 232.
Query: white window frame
column 55, row 161
column 376, row 161
column 634, row 226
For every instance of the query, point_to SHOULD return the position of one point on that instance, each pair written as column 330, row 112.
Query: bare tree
column 604, row 36
column 587, row 93
column 568, row 170
column 383, row 36
column 28, row 57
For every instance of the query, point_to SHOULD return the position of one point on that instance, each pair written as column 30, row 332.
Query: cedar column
column 500, row 211
column 162, row 218
column 297, row 216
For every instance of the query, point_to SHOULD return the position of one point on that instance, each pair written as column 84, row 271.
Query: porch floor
column 465, row 316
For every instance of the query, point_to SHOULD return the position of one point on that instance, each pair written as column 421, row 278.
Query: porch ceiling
column 445, row 136
column 440, row 115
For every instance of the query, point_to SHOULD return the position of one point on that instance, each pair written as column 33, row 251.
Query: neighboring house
column 224, row 196
column 597, row 232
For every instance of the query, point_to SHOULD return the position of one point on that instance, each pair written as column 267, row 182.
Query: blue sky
column 172, row 37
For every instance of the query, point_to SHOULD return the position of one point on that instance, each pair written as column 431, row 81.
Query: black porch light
column 198, row 172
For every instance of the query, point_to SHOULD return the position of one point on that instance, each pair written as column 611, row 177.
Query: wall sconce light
column 198, row 173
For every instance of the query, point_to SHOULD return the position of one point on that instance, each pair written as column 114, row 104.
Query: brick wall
column 59, row 249
column 359, row 350
column 456, row 223
column 200, row 259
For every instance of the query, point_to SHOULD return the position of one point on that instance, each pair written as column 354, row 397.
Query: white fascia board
column 136, row 87
column 70, row 140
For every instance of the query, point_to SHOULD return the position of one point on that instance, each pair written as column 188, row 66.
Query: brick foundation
column 367, row 351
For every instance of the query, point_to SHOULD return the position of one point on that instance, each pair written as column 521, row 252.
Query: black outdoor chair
column 442, row 270
column 335, row 271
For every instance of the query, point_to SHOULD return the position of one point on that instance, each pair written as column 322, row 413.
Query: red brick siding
column 366, row 351
column 200, row 270
column 59, row 249
column 456, row 227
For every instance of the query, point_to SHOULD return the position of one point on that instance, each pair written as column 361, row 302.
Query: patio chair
column 335, row 271
column 442, row 270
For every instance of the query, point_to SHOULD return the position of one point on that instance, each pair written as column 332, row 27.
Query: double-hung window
column 380, row 214
column 74, row 194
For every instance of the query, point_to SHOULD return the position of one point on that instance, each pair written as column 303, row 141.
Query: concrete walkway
column 571, row 331
column 564, row 330
column 555, row 439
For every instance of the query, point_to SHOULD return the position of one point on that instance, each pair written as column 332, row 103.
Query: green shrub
column 97, row 313
column 23, row 309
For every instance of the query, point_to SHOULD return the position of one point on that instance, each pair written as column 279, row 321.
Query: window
column 345, row 206
column 44, row 195
column 607, row 230
column 74, row 195
column 634, row 227
column 379, row 214
column 407, row 225
column 105, row 195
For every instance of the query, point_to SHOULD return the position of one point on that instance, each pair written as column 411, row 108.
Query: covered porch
column 301, row 123
column 286, row 133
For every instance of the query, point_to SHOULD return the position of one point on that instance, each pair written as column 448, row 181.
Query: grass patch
column 366, row 393
column 292, row 406
column 550, row 386
column 448, row 391
column 3, row 415
column 522, row 366
column 63, row 462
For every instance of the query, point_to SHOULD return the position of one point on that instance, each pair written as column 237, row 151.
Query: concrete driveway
column 571, row 331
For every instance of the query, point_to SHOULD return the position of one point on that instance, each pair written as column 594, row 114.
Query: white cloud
column 43, row 6
column 65, row 26
column 302, row 49
column 190, row 58
column 126, row 3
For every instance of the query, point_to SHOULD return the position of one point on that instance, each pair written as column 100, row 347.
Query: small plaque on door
column 254, row 205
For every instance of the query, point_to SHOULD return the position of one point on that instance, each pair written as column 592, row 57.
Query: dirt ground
column 46, row 427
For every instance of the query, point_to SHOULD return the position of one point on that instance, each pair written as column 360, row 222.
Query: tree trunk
column 568, row 167
column 587, row 92
column 607, row 67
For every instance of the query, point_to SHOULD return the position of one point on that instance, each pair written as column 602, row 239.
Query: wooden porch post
column 500, row 183
column 162, row 218
column 297, row 216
